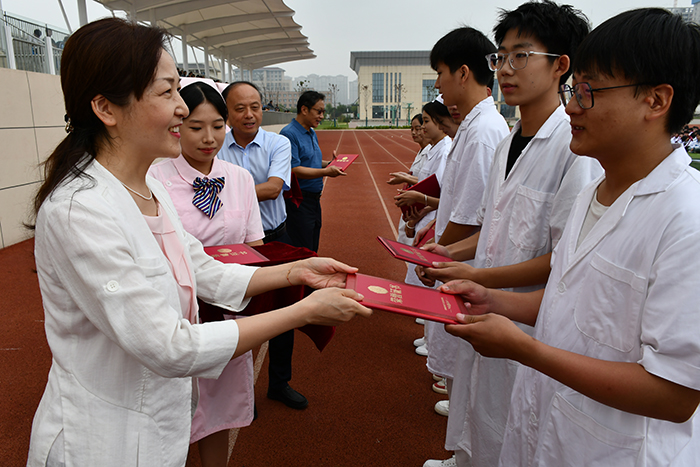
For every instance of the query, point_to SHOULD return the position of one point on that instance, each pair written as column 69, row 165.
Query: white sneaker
column 419, row 342
column 422, row 350
column 437, row 378
column 443, row 407
column 440, row 386
column 451, row 462
column 420, row 321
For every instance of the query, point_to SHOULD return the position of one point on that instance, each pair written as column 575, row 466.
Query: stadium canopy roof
column 248, row 33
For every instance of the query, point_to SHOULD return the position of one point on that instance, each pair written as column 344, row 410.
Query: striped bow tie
column 206, row 194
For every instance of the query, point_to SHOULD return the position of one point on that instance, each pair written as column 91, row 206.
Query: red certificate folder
column 344, row 160
column 412, row 254
column 397, row 297
column 427, row 236
column 430, row 186
column 238, row 253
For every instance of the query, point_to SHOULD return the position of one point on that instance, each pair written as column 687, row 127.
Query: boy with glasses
column 612, row 373
column 533, row 182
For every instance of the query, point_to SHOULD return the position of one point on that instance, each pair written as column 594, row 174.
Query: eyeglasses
column 320, row 111
column 517, row 59
column 584, row 93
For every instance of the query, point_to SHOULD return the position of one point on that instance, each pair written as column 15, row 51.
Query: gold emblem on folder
column 378, row 290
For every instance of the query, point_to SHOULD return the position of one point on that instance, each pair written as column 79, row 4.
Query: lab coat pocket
column 609, row 311
column 572, row 438
column 528, row 226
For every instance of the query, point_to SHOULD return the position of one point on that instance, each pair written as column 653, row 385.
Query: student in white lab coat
column 612, row 373
column 119, row 276
column 533, row 183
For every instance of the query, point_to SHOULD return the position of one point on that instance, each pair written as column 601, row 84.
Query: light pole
column 333, row 90
column 366, row 92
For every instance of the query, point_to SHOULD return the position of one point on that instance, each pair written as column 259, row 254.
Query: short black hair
column 650, row 46
column 464, row 46
column 560, row 28
column 196, row 93
column 308, row 99
column 238, row 83
column 418, row 117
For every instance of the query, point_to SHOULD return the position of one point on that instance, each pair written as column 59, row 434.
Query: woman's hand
column 397, row 178
column 437, row 249
column 333, row 306
column 319, row 273
column 408, row 197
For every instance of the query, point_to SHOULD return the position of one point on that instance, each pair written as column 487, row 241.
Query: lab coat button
column 561, row 287
column 533, row 418
column 489, row 263
column 168, row 183
column 112, row 286
column 496, row 215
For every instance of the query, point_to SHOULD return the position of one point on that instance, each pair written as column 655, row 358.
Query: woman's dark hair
column 650, row 46
column 195, row 93
column 110, row 57
column 418, row 117
column 437, row 111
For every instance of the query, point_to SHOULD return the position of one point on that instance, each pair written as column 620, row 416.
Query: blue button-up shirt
column 268, row 155
column 305, row 153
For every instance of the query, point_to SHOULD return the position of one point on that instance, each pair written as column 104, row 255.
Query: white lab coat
column 628, row 294
column 119, row 391
column 434, row 164
column 522, row 217
column 466, row 173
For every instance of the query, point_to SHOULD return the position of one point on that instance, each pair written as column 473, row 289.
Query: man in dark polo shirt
column 304, row 222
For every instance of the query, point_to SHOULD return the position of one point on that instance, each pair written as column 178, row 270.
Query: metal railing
column 31, row 44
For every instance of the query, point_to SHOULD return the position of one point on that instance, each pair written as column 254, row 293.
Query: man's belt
column 311, row 194
column 274, row 234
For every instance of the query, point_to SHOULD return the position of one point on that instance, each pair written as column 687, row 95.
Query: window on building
column 377, row 87
column 377, row 111
column 429, row 91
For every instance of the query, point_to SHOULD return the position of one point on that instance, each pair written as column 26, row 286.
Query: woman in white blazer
column 119, row 276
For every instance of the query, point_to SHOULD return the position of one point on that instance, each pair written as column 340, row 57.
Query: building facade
column 392, row 86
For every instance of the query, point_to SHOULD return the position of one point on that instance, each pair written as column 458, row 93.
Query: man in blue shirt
column 267, row 157
column 304, row 222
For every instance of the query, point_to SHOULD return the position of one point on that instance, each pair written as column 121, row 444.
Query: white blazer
column 119, row 391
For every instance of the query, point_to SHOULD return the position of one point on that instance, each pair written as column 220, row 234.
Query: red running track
column 370, row 397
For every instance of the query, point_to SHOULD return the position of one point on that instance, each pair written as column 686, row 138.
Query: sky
column 335, row 28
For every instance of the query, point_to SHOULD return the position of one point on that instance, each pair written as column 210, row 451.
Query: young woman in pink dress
column 226, row 402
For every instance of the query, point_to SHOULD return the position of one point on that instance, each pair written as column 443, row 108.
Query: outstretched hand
column 319, row 273
column 453, row 270
column 492, row 335
column 334, row 306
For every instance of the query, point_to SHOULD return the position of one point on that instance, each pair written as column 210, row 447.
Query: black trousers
column 304, row 222
column 281, row 347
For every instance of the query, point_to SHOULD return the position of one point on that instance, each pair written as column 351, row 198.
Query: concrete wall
column 277, row 118
column 31, row 125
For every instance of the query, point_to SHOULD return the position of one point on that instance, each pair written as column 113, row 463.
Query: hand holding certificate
column 397, row 297
column 412, row 254
column 343, row 161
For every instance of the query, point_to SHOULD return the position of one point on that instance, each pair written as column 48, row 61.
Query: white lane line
column 379, row 195
column 257, row 365
column 387, row 151
column 399, row 141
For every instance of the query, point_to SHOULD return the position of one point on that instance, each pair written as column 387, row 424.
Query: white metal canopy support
column 183, row 39
column 206, row 60
column 82, row 12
